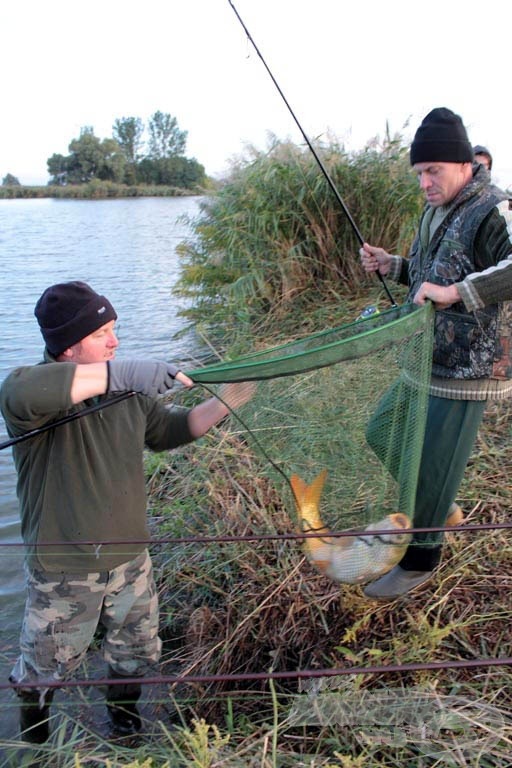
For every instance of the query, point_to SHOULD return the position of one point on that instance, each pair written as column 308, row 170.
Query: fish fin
column 321, row 565
column 299, row 491
column 314, row 491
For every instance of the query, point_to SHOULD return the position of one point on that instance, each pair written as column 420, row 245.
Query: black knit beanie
column 441, row 138
column 68, row 312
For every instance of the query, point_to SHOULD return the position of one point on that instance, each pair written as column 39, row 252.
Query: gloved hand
column 149, row 377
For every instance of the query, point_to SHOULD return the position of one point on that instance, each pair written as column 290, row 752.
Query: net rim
column 249, row 367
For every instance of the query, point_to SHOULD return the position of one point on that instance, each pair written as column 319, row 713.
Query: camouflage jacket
column 473, row 237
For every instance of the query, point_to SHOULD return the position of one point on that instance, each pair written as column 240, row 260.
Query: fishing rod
column 321, row 165
column 66, row 419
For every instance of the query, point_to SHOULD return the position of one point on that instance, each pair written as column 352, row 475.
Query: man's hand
column 184, row 379
column 237, row 394
column 149, row 377
column 443, row 296
column 375, row 259
column 208, row 413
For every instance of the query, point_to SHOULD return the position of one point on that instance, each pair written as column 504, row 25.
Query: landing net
column 351, row 400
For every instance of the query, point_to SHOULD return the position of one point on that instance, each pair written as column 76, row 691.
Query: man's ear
column 66, row 356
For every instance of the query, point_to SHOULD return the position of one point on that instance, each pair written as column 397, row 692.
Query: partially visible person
column 81, row 489
column 461, row 260
column 482, row 156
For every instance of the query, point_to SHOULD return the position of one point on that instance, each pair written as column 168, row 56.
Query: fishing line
column 321, row 165
column 253, row 436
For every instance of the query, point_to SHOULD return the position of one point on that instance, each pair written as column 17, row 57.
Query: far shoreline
column 96, row 190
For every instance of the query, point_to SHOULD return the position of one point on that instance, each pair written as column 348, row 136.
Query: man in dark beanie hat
column 81, row 483
column 441, row 135
column 461, row 261
column 69, row 312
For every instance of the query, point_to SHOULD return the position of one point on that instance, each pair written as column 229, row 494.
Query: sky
column 347, row 68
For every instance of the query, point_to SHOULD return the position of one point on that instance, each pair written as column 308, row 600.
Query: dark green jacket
column 472, row 248
column 83, row 481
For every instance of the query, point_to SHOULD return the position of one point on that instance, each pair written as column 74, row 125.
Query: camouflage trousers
column 63, row 612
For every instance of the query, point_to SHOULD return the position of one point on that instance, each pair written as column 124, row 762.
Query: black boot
column 122, row 706
column 34, row 718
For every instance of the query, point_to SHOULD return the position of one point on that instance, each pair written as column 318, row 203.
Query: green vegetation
column 274, row 239
column 96, row 189
column 274, row 259
column 118, row 166
column 10, row 181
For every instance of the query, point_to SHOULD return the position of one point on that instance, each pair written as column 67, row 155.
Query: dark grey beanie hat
column 68, row 312
column 441, row 138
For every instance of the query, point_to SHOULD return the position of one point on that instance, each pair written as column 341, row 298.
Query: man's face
column 95, row 348
column 441, row 182
column 484, row 160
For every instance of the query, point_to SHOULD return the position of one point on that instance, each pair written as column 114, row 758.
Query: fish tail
column 307, row 501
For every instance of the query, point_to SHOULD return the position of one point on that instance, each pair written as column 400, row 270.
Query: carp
column 348, row 559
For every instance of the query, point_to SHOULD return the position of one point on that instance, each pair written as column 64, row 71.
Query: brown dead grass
column 256, row 606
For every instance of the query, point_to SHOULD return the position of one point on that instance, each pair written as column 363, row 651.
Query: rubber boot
column 34, row 718
column 122, row 706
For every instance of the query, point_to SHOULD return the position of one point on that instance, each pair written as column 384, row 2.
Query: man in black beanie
column 82, row 483
column 461, row 260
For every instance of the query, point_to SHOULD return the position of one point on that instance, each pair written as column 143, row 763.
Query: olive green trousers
column 450, row 433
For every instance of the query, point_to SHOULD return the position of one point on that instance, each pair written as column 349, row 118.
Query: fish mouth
column 400, row 520
column 397, row 524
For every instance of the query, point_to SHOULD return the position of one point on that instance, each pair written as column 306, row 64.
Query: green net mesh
column 351, row 401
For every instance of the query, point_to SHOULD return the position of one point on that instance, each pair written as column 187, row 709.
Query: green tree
column 172, row 171
column 58, row 169
column 89, row 158
column 114, row 161
column 128, row 131
column 10, row 181
column 86, row 159
column 165, row 138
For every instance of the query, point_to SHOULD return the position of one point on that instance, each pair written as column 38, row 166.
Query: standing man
column 461, row 260
column 82, row 484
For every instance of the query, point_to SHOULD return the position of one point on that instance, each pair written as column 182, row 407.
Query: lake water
column 126, row 250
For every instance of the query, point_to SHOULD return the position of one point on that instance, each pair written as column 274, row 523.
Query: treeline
column 126, row 157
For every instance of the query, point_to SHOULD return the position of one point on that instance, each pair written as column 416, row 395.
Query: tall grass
column 275, row 235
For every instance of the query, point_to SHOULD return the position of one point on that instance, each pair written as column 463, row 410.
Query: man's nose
column 425, row 181
column 113, row 341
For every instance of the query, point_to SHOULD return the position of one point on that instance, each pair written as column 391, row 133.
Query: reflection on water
column 126, row 249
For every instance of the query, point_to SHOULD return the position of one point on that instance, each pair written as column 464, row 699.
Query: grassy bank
column 95, row 190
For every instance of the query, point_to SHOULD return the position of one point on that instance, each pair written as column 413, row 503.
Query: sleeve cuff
column 469, row 296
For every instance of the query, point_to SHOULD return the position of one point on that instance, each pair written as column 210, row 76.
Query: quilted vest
column 466, row 345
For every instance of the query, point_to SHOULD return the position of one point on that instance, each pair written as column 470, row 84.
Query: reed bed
column 274, row 238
